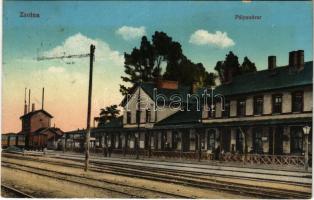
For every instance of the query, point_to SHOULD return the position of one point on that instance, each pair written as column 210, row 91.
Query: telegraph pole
column 138, row 118
column 91, row 59
column 87, row 137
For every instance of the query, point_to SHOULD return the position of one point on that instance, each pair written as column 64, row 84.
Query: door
column 278, row 141
column 175, row 139
column 257, row 141
column 296, row 140
column 226, row 139
column 239, row 142
column 211, row 138
column 185, row 140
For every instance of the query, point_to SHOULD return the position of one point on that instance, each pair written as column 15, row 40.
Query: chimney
column 271, row 63
column 25, row 103
column 292, row 59
column 42, row 99
column 300, row 60
column 33, row 107
column 25, row 109
column 29, row 100
column 164, row 84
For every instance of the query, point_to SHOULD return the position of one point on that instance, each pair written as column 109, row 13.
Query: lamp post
column 150, row 144
column 306, row 130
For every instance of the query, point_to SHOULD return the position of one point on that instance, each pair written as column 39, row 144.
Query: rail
column 16, row 192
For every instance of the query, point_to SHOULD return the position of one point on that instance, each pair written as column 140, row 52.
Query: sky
column 207, row 31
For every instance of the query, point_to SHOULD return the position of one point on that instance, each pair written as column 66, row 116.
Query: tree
column 220, row 69
column 247, row 66
column 139, row 65
column 144, row 64
column 108, row 114
column 231, row 62
column 187, row 73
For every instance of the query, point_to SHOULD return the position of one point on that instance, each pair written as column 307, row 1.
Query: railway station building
column 260, row 117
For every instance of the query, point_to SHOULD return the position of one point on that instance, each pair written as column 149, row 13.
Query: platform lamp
column 306, row 131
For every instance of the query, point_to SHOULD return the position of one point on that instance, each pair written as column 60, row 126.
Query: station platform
column 211, row 168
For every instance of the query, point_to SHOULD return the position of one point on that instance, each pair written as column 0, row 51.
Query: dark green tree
column 144, row 64
column 231, row 62
column 247, row 66
column 139, row 64
column 107, row 114
column 187, row 72
column 220, row 70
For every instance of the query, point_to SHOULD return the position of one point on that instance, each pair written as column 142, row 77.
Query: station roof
column 181, row 117
column 266, row 122
column 259, row 81
column 265, row 80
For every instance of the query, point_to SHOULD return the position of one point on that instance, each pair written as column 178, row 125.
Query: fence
column 284, row 160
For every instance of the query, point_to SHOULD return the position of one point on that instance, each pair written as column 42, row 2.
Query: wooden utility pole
column 89, row 105
column 138, row 117
column 91, row 57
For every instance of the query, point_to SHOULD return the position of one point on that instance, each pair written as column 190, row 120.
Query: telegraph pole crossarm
column 62, row 57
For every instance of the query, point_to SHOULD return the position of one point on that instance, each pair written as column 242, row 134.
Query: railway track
column 13, row 192
column 123, row 190
column 191, row 174
column 184, row 179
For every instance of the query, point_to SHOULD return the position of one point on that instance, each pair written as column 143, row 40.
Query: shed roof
column 30, row 114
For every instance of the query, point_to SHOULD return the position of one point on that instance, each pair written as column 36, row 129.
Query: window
column 257, row 141
column 296, row 140
column 211, row 113
column 297, row 102
column 148, row 114
column 226, row 112
column 211, row 137
column 211, row 110
column 128, row 117
column 241, row 108
column 258, row 105
column 277, row 103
